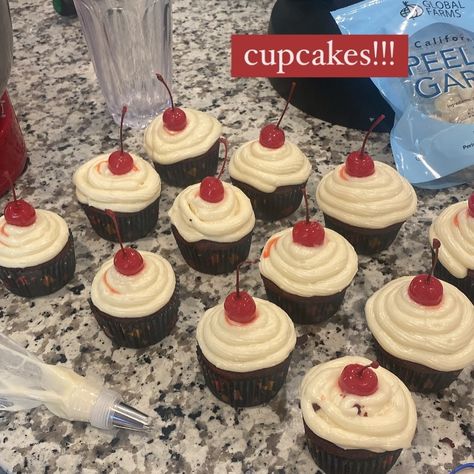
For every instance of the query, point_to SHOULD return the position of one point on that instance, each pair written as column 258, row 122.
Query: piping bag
column 26, row 382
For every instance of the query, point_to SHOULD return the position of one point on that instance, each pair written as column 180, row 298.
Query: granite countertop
column 63, row 116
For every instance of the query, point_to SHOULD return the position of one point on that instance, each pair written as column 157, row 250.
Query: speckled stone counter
column 63, row 116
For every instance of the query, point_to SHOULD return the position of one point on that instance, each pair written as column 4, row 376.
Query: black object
column 344, row 101
column 65, row 7
column 6, row 46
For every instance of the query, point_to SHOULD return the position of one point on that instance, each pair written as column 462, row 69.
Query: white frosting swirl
column 225, row 221
column 374, row 202
column 440, row 337
column 137, row 295
column 454, row 228
column 266, row 169
column 264, row 342
column 165, row 147
column 391, row 413
column 97, row 186
column 309, row 271
column 37, row 243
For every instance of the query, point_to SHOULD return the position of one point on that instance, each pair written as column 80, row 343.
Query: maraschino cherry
column 271, row 135
column 358, row 379
column 470, row 205
column 18, row 212
column 211, row 188
column 174, row 118
column 425, row 289
column 239, row 306
column 359, row 164
column 127, row 261
column 308, row 233
column 121, row 162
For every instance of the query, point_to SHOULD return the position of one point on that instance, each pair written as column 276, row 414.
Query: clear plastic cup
column 129, row 41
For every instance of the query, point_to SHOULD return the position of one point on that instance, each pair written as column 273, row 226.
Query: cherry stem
column 306, row 205
column 434, row 258
column 224, row 141
column 10, row 182
column 369, row 131
column 372, row 365
column 124, row 111
column 162, row 80
column 237, row 274
column 290, row 96
column 112, row 215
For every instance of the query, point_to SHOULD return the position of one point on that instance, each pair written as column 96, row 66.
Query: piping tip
column 127, row 417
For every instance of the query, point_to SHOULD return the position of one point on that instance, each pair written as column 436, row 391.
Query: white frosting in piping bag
column 374, row 202
column 440, row 337
column 225, row 221
column 97, row 186
column 264, row 342
column 309, row 271
column 165, row 147
column 266, row 169
column 137, row 295
column 32, row 245
column 391, row 413
column 454, row 228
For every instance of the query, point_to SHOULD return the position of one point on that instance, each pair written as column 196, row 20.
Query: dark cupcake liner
column 192, row 170
column 142, row 331
column 466, row 284
column 42, row 279
column 132, row 225
column 417, row 377
column 273, row 206
column 211, row 257
column 335, row 460
column 244, row 389
column 304, row 310
column 364, row 241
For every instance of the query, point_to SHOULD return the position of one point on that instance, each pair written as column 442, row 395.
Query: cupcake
column 306, row 270
column 454, row 227
column 134, row 298
column 183, row 144
column 366, row 201
column 244, row 348
column 124, row 183
column 423, row 330
column 212, row 223
column 357, row 416
column 36, row 250
column 271, row 171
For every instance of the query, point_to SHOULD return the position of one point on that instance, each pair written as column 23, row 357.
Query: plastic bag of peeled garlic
column 433, row 136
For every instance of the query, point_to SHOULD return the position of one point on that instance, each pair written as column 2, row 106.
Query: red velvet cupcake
column 36, row 250
column 357, row 416
column 244, row 349
column 454, row 228
column 271, row 171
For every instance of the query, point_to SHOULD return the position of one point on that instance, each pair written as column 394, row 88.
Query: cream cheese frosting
column 374, row 202
column 225, row 221
column 454, row 228
column 97, row 186
column 32, row 245
column 137, row 295
column 266, row 169
column 340, row 417
column 440, row 337
column 166, row 147
column 264, row 342
column 309, row 271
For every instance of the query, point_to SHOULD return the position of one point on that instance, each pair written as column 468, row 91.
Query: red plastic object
column 12, row 145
